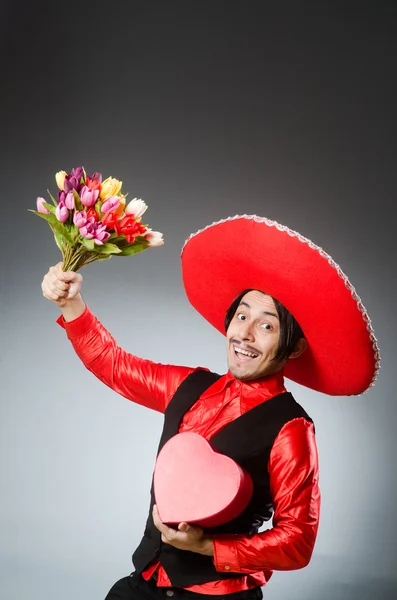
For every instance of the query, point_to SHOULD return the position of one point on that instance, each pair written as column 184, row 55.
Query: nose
column 246, row 331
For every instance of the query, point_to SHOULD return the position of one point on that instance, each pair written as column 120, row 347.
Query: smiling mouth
column 243, row 354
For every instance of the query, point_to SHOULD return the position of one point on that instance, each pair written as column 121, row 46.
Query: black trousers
column 134, row 587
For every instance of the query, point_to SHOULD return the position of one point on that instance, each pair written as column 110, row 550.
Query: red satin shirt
column 292, row 466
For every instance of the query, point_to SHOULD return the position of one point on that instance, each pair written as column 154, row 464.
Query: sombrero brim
column 243, row 252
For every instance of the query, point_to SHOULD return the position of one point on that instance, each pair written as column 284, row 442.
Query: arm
column 293, row 468
column 143, row 381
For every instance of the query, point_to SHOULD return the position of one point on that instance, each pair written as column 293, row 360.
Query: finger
column 56, row 269
column 71, row 276
column 155, row 514
column 185, row 527
column 51, row 290
column 156, row 519
column 168, row 532
column 60, row 293
column 51, row 296
column 161, row 526
column 170, row 535
column 65, row 275
column 60, row 285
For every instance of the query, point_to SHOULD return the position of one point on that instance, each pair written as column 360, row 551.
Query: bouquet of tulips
column 91, row 220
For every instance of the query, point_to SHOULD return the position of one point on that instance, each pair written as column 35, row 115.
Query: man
column 279, row 298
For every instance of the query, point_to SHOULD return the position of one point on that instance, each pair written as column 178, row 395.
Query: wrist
column 74, row 308
column 206, row 546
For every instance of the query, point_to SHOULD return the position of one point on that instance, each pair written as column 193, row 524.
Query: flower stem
column 74, row 258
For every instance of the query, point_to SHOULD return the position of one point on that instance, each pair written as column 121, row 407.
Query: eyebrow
column 264, row 312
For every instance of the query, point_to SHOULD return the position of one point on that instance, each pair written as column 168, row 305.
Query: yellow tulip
column 60, row 179
column 110, row 187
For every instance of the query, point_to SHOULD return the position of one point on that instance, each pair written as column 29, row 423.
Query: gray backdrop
column 204, row 109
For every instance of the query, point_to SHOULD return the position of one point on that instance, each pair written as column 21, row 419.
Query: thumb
column 70, row 276
column 62, row 275
column 184, row 527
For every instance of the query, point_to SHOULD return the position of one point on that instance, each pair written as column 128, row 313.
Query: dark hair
column 290, row 330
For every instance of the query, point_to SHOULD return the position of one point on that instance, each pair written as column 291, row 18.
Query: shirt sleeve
column 288, row 545
column 142, row 381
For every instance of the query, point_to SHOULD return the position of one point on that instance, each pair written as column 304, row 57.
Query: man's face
column 253, row 338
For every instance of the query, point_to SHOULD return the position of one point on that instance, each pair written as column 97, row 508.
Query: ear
column 299, row 348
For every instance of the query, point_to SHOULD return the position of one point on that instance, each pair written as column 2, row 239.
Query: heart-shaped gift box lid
column 194, row 483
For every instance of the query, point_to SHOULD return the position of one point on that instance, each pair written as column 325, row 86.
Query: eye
column 241, row 316
column 266, row 326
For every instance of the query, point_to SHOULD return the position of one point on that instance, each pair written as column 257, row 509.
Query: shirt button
column 169, row 593
column 227, row 567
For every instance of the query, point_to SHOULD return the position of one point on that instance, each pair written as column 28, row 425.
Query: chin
column 250, row 375
column 241, row 375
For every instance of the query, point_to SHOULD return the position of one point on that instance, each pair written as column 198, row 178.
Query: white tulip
column 135, row 207
column 155, row 238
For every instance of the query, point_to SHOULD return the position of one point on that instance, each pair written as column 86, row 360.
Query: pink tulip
column 69, row 201
column 80, row 218
column 101, row 235
column 61, row 212
column 88, row 197
column 110, row 204
column 94, row 230
column 40, row 207
column 88, row 230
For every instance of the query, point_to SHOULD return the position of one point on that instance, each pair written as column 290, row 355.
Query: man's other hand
column 186, row 537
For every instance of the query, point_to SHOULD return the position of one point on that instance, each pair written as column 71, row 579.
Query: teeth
column 250, row 354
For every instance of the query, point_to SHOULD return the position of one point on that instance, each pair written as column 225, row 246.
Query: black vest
column 248, row 440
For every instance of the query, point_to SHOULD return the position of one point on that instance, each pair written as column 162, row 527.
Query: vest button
column 227, row 568
column 169, row 593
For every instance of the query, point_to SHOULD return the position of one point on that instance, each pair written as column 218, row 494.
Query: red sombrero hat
column 243, row 252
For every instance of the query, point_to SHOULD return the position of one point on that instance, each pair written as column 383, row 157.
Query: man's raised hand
column 63, row 288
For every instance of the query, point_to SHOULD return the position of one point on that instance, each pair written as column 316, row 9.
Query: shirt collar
column 254, row 392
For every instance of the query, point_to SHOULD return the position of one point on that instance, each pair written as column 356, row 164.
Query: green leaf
column 77, row 200
column 119, row 240
column 49, row 207
column 89, row 244
column 103, row 256
column 97, row 207
column 42, row 215
column 60, row 242
column 74, row 232
column 107, row 249
column 50, row 218
column 54, row 223
column 55, row 203
column 134, row 248
column 62, row 230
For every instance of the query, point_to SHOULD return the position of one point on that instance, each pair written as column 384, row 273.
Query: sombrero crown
column 250, row 252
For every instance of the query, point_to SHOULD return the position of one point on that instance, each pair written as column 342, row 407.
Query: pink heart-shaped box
column 195, row 484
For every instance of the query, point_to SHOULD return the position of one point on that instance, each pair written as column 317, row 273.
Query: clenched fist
column 63, row 288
